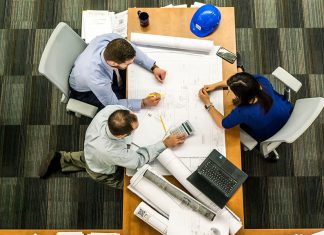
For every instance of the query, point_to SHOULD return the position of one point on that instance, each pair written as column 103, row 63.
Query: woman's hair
column 246, row 88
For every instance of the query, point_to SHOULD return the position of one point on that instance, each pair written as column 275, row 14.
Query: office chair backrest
column 304, row 114
column 60, row 53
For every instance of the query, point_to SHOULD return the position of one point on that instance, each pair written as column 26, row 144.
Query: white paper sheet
column 186, row 74
column 150, row 128
column 120, row 23
column 95, row 23
column 197, row 5
column 319, row 233
column 184, row 221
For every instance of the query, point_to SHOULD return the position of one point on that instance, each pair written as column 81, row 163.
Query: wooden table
column 175, row 22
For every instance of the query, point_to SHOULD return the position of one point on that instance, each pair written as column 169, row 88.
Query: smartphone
column 226, row 55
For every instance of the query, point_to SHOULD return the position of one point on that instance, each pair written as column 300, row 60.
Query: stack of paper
column 95, row 23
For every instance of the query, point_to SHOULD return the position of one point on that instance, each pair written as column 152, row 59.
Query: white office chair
column 304, row 113
column 59, row 55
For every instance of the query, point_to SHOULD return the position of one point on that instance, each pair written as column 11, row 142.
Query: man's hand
column 150, row 101
column 159, row 74
column 203, row 95
column 174, row 140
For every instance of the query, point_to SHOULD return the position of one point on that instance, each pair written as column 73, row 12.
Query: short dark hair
column 246, row 88
column 119, row 50
column 120, row 122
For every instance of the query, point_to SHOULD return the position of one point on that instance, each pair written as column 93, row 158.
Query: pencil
column 164, row 128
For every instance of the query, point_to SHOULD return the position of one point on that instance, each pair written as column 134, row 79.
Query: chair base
column 275, row 154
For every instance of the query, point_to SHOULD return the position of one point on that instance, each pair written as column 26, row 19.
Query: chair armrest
column 289, row 80
column 79, row 107
column 247, row 140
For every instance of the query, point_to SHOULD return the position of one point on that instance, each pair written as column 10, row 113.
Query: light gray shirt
column 90, row 72
column 103, row 151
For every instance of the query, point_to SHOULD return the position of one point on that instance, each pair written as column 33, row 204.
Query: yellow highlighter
column 163, row 125
column 155, row 94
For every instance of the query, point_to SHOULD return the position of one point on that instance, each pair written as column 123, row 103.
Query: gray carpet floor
column 270, row 33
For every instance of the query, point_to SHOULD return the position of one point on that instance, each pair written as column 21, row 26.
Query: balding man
column 107, row 149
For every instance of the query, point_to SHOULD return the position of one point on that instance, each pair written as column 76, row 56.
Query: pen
column 164, row 128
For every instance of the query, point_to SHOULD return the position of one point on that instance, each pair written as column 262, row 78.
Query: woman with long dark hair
column 260, row 110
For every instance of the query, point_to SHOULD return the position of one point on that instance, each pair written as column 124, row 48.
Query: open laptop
column 217, row 178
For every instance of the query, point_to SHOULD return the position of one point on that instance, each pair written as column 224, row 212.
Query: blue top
column 252, row 118
column 91, row 72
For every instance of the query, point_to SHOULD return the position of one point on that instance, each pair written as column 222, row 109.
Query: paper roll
column 181, row 172
column 188, row 44
column 151, row 217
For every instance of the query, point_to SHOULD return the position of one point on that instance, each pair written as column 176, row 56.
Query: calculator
column 185, row 128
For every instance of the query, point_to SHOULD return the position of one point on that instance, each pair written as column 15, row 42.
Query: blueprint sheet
column 186, row 74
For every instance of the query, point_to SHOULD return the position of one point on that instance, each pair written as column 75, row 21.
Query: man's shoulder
column 109, row 109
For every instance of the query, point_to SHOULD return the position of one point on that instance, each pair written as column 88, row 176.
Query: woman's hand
column 210, row 87
column 203, row 95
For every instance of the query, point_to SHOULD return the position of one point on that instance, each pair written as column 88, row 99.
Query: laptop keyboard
column 214, row 175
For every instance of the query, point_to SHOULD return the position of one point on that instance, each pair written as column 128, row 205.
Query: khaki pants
column 74, row 161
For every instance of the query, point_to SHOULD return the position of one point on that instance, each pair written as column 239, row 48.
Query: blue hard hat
column 205, row 20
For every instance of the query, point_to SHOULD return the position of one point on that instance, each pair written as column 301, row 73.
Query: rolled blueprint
column 151, row 193
column 185, row 198
column 188, row 44
column 181, row 172
column 172, row 163
column 151, row 217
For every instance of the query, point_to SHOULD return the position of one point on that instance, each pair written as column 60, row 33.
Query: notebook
column 217, row 178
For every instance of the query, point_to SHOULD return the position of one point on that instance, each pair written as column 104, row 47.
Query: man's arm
column 146, row 62
column 106, row 96
column 134, row 159
column 131, row 159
